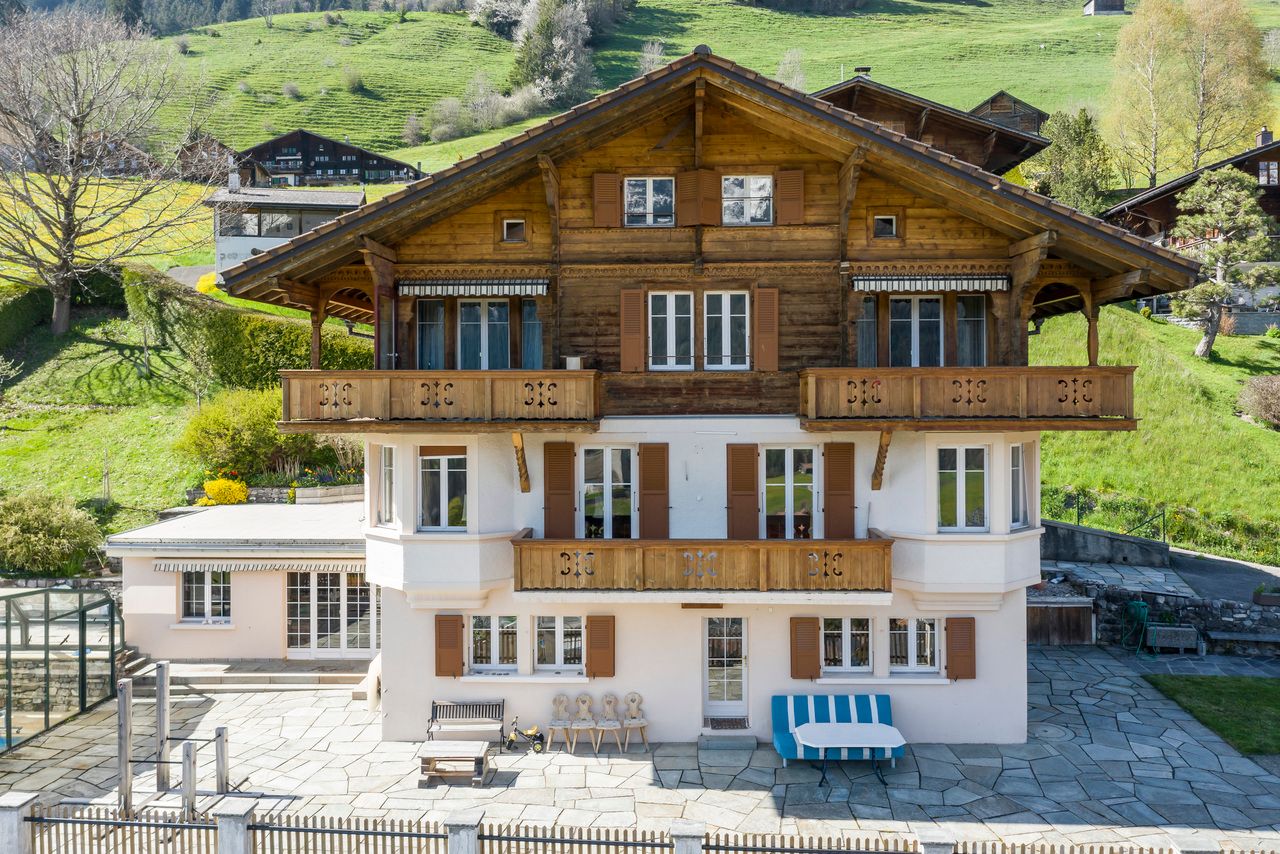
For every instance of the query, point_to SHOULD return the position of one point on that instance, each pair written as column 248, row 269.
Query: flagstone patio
column 1109, row 760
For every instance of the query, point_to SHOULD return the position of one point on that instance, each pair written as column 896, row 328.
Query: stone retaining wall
column 64, row 682
column 1207, row 615
column 1081, row 544
column 305, row 494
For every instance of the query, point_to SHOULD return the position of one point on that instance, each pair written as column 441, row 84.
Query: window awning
column 916, row 284
column 263, row 565
column 473, row 287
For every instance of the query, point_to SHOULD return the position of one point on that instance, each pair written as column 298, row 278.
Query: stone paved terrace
column 1109, row 760
column 1140, row 579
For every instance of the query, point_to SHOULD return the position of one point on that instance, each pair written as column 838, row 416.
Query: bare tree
column 651, row 58
column 791, row 69
column 266, row 9
column 1140, row 111
column 87, row 178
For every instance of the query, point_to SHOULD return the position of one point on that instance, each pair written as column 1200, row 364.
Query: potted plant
column 1263, row 596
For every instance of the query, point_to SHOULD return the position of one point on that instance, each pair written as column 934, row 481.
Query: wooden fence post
column 15, row 836
column 233, row 816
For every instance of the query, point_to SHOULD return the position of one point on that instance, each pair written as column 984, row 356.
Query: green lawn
column 1244, row 710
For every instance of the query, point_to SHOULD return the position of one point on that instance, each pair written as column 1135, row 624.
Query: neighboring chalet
column 1007, row 111
column 302, row 157
column 989, row 141
column 1104, row 7
column 208, row 155
column 249, row 220
column 707, row 389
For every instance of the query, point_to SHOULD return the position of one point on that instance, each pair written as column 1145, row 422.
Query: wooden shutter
column 765, row 335
column 557, row 490
column 687, row 194
column 607, row 191
column 837, row 488
column 962, row 649
column 654, row 492
column 709, row 187
column 600, row 656
column 631, row 329
column 788, row 197
column 806, row 660
column 449, row 638
column 743, row 506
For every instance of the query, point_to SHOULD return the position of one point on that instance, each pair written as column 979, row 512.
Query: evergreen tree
column 128, row 11
column 1076, row 169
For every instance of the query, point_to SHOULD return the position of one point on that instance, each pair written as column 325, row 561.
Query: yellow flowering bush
column 208, row 283
column 223, row 490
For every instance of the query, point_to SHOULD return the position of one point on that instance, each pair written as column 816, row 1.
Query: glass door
column 608, row 494
column 330, row 615
column 725, row 667
column 788, row 493
column 484, row 335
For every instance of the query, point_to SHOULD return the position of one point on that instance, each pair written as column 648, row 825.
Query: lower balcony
column 702, row 567
column 989, row 398
column 439, row 401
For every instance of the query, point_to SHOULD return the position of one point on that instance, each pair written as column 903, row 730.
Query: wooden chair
column 583, row 721
column 560, row 722
column 633, row 720
column 608, row 722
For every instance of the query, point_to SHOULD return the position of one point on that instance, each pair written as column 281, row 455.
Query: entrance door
column 725, row 669
column 330, row 615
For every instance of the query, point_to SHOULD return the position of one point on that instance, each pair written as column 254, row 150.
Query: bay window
column 846, row 644
column 384, row 513
column 671, row 331
column 962, row 489
column 1019, row 487
column 493, row 644
column 913, row 644
column 558, row 642
column 206, row 597
column 726, row 341
column 788, row 493
column 443, row 501
column 650, row 202
column 608, row 494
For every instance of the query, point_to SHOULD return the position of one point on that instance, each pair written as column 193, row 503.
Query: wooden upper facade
column 692, row 242
column 303, row 157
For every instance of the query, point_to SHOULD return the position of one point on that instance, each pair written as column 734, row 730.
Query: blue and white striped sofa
column 792, row 710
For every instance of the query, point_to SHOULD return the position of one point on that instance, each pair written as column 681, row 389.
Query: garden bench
column 465, row 716
column 1244, row 637
column 791, row 711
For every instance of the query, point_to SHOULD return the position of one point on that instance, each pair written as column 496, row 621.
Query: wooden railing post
column 488, row 398
column 915, row 395
column 1022, row 395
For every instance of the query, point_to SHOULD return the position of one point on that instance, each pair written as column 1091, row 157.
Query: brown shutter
column 788, row 197
column 766, row 329
column 806, row 663
column 631, row 334
column 449, row 636
column 607, row 190
column 654, row 488
column 962, row 648
column 709, row 187
column 687, row 192
column 837, row 487
column 744, row 508
column 600, row 657
column 557, row 490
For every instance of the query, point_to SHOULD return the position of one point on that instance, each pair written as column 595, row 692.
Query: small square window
column 884, row 226
column 513, row 231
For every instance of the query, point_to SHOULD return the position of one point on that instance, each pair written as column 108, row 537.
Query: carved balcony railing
column 528, row 400
column 1050, row 398
column 702, row 565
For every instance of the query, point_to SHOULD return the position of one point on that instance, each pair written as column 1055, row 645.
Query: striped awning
column 917, row 284
column 473, row 287
column 262, row 565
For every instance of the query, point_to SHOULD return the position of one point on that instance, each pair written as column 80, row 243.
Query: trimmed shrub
column 20, row 312
column 1145, row 311
column 103, row 288
column 222, row 490
column 236, row 431
column 45, row 534
column 248, row 349
column 1260, row 399
column 1273, row 331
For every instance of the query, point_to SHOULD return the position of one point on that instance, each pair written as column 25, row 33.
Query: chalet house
column 707, row 389
column 302, row 157
column 208, row 155
column 249, row 220
column 996, row 140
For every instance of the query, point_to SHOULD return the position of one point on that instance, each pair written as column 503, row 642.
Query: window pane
column 947, row 480
column 802, row 493
column 530, row 336
column 930, row 333
column 734, row 212
column 545, row 642
column 192, row 595
column 715, row 330
column 481, row 641
column 507, row 640
column 457, row 495
column 431, row 335
column 664, row 201
column 734, row 187
column 898, row 643
column 684, row 330
column 220, row 595
column 832, row 642
column 469, row 332
column 431, row 514
column 971, row 330
column 593, row 493
column 636, row 196
column 926, row 644
column 975, row 491
column 859, row 642
column 658, row 329
column 868, row 349
column 900, row 325
column 572, row 640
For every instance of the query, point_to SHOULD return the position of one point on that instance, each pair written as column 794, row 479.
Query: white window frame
column 815, row 531
column 385, row 497
column 608, row 450
column 524, row 238
column 485, row 350
column 980, row 322
column 495, row 630
column 913, row 631
column 648, row 201
column 960, row 526
column 893, row 218
column 1268, row 173
column 667, row 362
column 206, row 601
column 1019, row 485
column 559, row 666
column 724, row 362
column 444, row 492
column 915, row 328
column 846, row 646
column 746, row 199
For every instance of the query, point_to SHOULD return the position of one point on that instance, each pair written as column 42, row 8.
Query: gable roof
column 288, row 197
column 316, row 252
column 248, row 152
column 985, row 101
column 1182, row 181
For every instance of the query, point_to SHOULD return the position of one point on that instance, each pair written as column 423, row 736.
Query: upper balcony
column 989, row 398
column 702, row 567
column 440, row 401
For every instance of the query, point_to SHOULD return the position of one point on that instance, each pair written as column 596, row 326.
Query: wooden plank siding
column 712, row 565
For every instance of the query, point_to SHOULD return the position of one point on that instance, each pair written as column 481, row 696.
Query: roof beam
column 373, row 247
column 1035, row 243
column 551, row 187
column 1120, row 287
column 850, row 171
column 924, row 117
column 699, row 101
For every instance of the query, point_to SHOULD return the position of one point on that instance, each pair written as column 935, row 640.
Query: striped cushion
column 792, row 710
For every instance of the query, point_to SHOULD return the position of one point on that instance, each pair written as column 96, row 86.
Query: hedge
column 20, row 312
column 245, row 349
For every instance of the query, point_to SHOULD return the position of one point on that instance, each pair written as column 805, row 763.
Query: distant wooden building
column 301, row 157
column 977, row 139
column 1014, row 113
column 1104, row 7
column 250, row 220
column 204, row 154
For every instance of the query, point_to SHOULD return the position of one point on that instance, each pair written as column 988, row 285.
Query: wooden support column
column 381, row 261
column 317, row 325
column 850, row 171
column 699, row 104
column 1101, row 291
column 882, row 455
column 551, row 187
column 1027, row 256
column 522, row 465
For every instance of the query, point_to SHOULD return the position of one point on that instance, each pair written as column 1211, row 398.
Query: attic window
column 513, row 231
column 884, row 227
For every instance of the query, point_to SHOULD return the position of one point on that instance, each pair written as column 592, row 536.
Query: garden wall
column 1207, row 615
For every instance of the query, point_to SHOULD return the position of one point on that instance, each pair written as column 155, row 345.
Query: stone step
column 727, row 742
